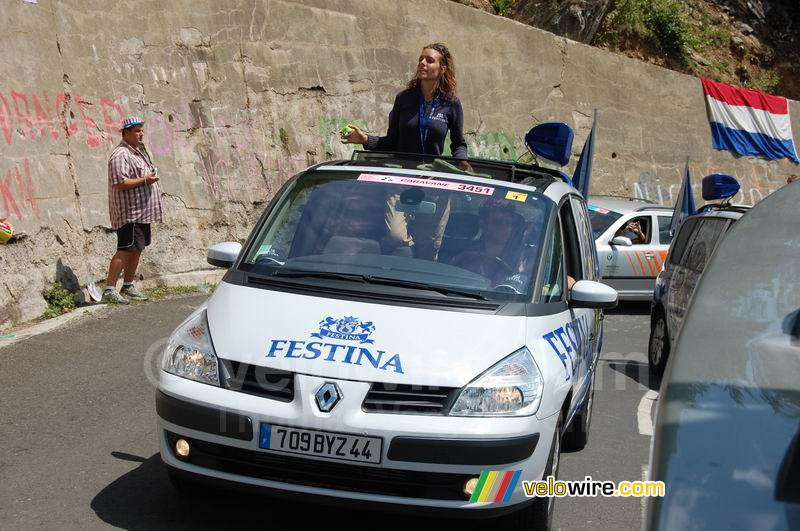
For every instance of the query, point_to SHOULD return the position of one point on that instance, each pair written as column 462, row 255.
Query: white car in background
column 627, row 265
column 334, row 365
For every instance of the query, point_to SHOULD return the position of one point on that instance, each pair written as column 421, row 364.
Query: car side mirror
column 594, row 295
column 223, row 254
column 621, row 241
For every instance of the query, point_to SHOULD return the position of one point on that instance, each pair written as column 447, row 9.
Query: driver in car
column 496, row 254
column 633, row 231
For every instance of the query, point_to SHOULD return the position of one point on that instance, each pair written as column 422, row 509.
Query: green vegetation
column 59, row 300
column 666, row 24
column 768, row 81
column 669, row 22
column 284, row 136
column 706, row 38
column 501, row 7
column 167, row 291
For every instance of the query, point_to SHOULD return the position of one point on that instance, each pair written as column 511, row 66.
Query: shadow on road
column 631, row 308
column 637, row 371
column 144, row 499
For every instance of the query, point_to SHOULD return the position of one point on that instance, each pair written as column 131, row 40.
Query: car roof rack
column 623, row 198
column 655, row 207
column 501, row 170
column 709, row 207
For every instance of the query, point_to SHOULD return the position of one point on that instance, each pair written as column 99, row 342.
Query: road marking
column 643, row 499
column 643, row 413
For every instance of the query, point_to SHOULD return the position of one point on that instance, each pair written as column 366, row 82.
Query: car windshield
column 601, row 219
column 440, row 234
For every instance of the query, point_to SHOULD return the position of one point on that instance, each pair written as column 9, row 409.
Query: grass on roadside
column 59, row 300
column 162, row 292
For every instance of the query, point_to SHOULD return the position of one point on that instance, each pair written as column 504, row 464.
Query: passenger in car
column 497, row 253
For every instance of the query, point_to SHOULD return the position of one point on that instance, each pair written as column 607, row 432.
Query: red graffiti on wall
column 33, row 116
column 16, row 191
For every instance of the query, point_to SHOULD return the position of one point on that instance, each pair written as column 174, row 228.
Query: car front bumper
column 425, row 459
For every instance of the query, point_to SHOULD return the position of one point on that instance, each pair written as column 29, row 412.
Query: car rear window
column 601, row 219
column 685, row 231
column 708, row 234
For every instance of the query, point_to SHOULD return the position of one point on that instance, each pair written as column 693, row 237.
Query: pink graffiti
column 24, row 200
column 93, row 136
column 43, row 120
column 5, row 121
column 33, row 116
column 111, row 123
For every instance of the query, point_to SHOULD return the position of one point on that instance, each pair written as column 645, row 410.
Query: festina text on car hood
column 357, row 340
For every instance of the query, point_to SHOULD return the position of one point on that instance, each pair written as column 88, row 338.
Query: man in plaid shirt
column 134, row 202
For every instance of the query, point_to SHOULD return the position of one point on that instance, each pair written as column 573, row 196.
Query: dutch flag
column 749, row 122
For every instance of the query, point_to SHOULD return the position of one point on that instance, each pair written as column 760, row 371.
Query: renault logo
column 327, row 396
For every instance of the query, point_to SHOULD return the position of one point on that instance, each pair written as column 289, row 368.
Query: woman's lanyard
column 425, row 121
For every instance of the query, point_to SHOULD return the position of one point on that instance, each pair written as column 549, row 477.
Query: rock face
column 752, row 43
column 578, row 20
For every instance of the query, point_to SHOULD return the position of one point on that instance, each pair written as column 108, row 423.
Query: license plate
column 341, row 446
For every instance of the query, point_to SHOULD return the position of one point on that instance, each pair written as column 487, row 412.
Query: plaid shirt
column 137, row 205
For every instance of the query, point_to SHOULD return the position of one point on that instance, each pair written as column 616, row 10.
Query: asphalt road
column 78, row 443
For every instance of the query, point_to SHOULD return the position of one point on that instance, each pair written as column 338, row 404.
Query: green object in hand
column 346, row 130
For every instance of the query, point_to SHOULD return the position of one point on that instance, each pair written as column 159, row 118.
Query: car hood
column 356, row 340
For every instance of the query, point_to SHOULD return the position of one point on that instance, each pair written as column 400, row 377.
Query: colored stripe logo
column 494, row 486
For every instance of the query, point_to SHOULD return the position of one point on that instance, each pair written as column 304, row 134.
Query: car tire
column 658, row 346
column 577, row 435
column 539, row 513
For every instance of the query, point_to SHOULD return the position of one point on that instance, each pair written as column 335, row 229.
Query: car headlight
column 190, row 353
column 513, row 387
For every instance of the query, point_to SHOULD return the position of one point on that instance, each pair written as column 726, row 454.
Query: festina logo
column 333, row 352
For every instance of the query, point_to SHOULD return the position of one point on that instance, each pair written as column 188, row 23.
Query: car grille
column 423, row 400
column 258, row 380
column 324, row 474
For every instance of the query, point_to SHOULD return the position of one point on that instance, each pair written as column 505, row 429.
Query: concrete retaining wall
column 240, row 94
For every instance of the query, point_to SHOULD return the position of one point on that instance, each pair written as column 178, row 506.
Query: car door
column 664, row 239
column 675, row 272
column 708, row 233
column 590, row 264
column 580, row 265
column 601, row 219
column 613, row 266
column 632, row 270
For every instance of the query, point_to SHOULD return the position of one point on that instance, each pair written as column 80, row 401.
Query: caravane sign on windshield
column 427, row 183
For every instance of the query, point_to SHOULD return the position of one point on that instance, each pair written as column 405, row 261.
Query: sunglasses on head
column 442, row 49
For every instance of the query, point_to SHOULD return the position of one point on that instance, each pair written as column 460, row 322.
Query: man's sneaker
column 132, row 293
column 112, row 297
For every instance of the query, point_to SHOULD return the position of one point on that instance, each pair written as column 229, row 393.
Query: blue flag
column 583, row 170
column 684, row 206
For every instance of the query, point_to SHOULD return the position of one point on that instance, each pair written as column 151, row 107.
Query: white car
column 630, row 260
column 389, row 331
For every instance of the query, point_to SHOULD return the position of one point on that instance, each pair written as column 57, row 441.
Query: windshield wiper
column 387, row 281
column 382, row 281
column 300, row 273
